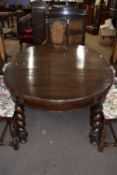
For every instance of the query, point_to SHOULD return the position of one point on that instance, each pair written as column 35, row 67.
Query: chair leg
column 101, row 143
column 104, row 143
column 113, row 133
column 14, row 142
column 3, row 133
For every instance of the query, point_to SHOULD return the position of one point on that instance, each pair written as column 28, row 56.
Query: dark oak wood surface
column 53, row 79
column 66, row 12
column 59, row 79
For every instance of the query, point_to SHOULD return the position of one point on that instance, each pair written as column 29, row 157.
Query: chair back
column 57, row 33
column 2, row 49
column 2, row 46
column 3, row 55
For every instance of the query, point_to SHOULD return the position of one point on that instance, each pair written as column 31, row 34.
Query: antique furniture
column 110, row 104
column 73, row 21
column 113, row 58
column 7, row 112
column 3, row 54
column 97, row 12
column 2, row 49
column 113, row 13
column 58, row 34
column 38, row 22
column 48, row 18
column 107, row 33
column 110, row 117
column 6, row 15
column 59, row 80
column 7, row 105
column 76, row 30
column 31, row 27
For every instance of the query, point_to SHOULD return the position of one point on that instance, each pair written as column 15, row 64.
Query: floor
column 92, row 41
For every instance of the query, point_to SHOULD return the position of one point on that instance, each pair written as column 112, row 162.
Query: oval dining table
column 59, row 79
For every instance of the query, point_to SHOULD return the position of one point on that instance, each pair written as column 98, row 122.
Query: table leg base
column 96, row 122
column 22, row 135
column 20, row 122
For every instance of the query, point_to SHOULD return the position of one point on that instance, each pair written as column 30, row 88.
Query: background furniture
column 38, row 21
column 47, row 17
column 113, row 14
column 110, row 117
column 24, row 29
column 76, row 30
column 58, row 34
column 7, row 105
column 6, row 14
column 7, row 111
column 3, row 55
column 107, row 34
column 2, row 49
column 73, row 21
column 96, row 15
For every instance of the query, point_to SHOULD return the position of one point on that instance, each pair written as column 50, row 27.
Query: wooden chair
column 2, row 50
column 58, row 34
column 110, row 117
column 7, row 112
column 3, row 55
column 7, row 106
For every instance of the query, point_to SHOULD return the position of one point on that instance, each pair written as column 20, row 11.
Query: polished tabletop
column 58, row 78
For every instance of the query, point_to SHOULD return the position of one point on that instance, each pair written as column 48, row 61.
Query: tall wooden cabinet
column 38, row 22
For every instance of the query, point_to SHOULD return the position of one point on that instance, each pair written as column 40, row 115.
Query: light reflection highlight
column 31, row 58
column 30, row 64
column 80, row 52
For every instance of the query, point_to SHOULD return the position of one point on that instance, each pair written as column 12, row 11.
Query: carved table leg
column 96, row 122
column 20, row 122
